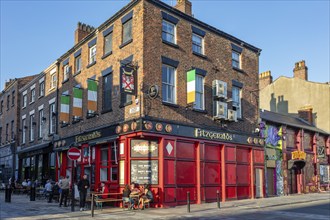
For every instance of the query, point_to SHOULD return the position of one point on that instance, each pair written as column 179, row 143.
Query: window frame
column 106, row 89
column 237, row 101
column 13, row 98
column 8, row 102
column 33, row 95
column 25, row 101
column 167, row 84
column 66, row 72
column 109, row 35
column 32, row 126
column 92, row 56
column 168, row 33
column 130, row 31
column 78, row 63
column 42, row 89
column 52, row 118
column 1, row 106
column 12, row 131
column 236, row 63
column 23, row 131
column 53, row 81
column 41, row 115
column 196, row 45
column 201, row 93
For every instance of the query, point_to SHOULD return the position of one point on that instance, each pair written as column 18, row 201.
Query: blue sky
column 35, row 33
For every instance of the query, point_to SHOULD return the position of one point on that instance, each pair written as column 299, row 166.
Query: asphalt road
column 310, row 211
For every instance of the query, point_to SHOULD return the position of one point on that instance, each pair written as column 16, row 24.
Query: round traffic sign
column 73, row 153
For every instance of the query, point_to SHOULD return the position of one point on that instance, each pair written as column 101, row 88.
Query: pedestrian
column 65, row 186
column 49, row 190
column 83, row 185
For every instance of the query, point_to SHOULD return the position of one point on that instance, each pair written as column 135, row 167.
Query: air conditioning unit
column 219, row 89
column 232, row 115
column 219, row 110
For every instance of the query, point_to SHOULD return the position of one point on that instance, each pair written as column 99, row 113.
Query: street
column 307, row 206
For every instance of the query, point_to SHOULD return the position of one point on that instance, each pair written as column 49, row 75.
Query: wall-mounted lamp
column 43, row 119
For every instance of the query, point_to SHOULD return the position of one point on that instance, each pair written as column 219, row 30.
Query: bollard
column 92, row 205
column 188, row 201
column 9, row 193
column 218, row 199
column 6, row 193
column 72, row 199
column 33, row 193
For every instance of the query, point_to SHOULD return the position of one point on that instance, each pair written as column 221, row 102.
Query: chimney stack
column 184, row 6
column 265, row 79
column 306, row 113
column 300, row 70
column 82, row 31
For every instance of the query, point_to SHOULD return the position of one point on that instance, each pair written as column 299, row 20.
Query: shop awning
column 35, row 149
column 296, row 164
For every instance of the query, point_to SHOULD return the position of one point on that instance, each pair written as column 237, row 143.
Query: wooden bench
column 112, row 197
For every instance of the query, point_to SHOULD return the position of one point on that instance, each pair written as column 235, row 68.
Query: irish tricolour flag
column 191, row 86
column 77, row 102
column 92, row 95
column 65, row 108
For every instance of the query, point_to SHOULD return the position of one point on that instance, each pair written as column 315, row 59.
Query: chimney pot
column 265, row 79
column 82, row 31
column 184, row 6
column 300, row 71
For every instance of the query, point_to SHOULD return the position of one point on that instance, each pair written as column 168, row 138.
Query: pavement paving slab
column 21, row 208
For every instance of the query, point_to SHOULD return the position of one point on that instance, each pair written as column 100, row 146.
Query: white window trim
column 173, row 29
column 90, row 54
column 33, row 86
column 25, row 92
column 51, row 101
column 203, row 92
column 32, row 112
column 203, row 50
column 175, row 86
column 42, row 79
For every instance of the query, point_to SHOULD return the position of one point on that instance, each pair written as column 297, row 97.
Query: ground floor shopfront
column 174, row 159
column 8, row 162
column 37, row 163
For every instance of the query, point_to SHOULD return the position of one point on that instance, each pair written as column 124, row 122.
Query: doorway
column 271, row 182
column 259, row 183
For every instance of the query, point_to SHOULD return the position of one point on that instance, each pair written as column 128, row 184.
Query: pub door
column 271, row 181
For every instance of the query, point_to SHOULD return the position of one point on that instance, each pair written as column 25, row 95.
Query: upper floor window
column 127, row 31
column 108, row 44
column 127, row 27
column 199, row 102
column 236, row 56
column 168, row 32
column 236, row 97
column 8, row 102
column 23, row 130
column 12, row 131
column 92, row 54
column 0, row 135
column 169, row 28
column 107, row 90
column 52, row 118
column 168, row 84
column 41, row 88
column 33, row 95
column 41, row 122
column 7, row 132
column 32, row 127
column 78, row 64
column 25, row 99
column 53, row 80
column 13, row 98
column 66, row 71
column 236, row 59
column 197, row 44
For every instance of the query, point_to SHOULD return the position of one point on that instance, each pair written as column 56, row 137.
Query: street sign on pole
column 73, row 153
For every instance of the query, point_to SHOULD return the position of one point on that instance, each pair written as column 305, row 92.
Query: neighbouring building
column 38, row 125
column 9, row 112
column 291, row 95
column 297, row 155
column 154, row 95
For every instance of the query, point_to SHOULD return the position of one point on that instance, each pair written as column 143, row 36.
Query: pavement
column 22, row 208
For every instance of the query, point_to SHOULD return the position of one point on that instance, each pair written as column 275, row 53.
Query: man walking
column 49, row 190
column 83, row 185
column 64, row 185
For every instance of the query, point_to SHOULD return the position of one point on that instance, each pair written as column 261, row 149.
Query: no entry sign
column 73, row 153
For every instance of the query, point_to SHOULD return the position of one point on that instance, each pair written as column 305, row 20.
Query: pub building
column 297, row 155
column 144, row 105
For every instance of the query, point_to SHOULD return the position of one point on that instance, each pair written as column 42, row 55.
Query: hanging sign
column 128, row 79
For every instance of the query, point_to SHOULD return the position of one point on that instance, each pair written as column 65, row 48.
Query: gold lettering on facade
column 298, row 155
column 87, row 137
column 213, row 135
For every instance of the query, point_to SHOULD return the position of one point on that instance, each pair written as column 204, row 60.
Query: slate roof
column 289, row 120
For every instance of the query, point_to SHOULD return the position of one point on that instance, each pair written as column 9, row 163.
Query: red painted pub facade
column 174, row 158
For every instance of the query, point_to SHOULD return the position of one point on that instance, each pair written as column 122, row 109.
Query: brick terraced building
column 154, row 95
